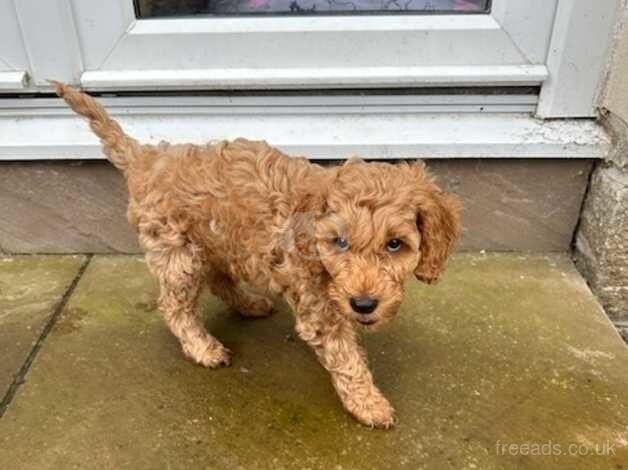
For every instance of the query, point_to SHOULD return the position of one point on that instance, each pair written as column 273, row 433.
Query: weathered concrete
column 510, row 205
column 63, row 207
column 601, row 242
column 30, row 288
column 505, row 350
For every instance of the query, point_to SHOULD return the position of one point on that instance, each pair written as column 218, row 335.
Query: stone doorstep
column 510, row 205
column 509, row 353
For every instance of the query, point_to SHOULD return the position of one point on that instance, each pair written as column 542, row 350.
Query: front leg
column 179, row 270
column 333, row 339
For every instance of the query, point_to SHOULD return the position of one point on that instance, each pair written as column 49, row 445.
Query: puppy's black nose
column 363, row 304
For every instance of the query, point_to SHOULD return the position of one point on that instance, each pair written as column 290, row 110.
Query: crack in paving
column 20, row 377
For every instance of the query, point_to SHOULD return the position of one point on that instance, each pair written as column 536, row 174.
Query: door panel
column 340, row 51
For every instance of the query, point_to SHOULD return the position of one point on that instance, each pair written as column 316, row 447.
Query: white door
column 310, row 44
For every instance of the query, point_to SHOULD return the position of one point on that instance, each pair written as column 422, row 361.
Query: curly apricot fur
column 251, row 223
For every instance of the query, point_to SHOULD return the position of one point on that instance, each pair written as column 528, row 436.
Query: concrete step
column 510, row 356
column 509, row 205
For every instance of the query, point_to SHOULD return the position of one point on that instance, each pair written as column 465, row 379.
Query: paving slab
column 509, row 356
column 30, row 289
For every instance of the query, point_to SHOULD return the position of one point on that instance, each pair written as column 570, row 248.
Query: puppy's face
column 381, row 224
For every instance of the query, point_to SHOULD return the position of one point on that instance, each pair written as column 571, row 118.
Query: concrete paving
column 507, row 358
column 30, row 289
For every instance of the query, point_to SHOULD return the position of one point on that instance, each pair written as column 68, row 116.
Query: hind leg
column 247, row 303
column 179, row 272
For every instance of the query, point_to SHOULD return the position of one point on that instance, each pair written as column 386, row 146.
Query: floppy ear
column 438, row 221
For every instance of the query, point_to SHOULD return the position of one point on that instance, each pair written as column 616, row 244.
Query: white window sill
column 316, row 127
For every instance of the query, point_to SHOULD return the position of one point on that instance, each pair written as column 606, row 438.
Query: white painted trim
column 311, row 24
column 577, row 59
column 13, row 81
column 173, row 104
column 261, row 105
column 387, row 135
column 328, row 77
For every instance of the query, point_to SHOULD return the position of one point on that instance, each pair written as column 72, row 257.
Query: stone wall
column 602, row 239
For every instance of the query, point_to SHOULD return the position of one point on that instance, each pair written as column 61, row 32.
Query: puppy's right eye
column 341, row 243
column 394, row 245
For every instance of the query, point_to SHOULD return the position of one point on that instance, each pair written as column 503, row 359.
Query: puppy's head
column 382, row 223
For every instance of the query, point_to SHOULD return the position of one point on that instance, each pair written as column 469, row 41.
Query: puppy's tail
column 119, row 148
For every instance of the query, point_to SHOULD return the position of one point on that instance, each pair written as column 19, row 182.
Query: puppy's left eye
column 394, row 245
column 341, row 243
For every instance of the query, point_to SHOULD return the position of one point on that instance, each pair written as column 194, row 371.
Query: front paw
column 209, row 354
column 216, row 356
column 374, row 411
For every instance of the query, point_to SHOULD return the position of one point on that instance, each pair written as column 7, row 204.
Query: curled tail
column 119, row 148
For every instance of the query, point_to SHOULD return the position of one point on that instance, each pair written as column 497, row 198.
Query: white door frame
column 579, row 56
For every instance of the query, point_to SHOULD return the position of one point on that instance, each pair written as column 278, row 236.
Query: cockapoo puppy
column 336, row 243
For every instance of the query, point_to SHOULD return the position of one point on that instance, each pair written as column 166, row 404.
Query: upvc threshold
column 324, row 77
column 383, row 134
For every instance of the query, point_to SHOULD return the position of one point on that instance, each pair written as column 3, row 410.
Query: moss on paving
column 30, row 288
column 506, row 349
